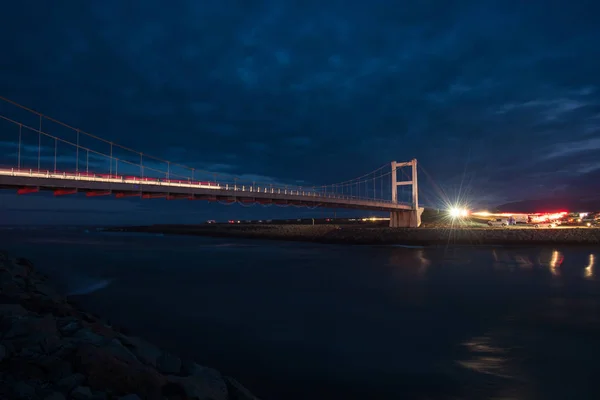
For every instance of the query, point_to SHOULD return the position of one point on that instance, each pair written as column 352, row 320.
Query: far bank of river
column 359, row 235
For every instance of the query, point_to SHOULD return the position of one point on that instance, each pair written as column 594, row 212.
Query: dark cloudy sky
column 501, row 96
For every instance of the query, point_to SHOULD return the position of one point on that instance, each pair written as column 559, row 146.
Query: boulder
column 203, row 384
column 38, row 335
column 197, row 389
column 5, row 277
column 55, row 396
column 237, row 391
column 116, row 348
column 81, row 393
column 23, row 390
column 24, row 369
column 56, row 367
column 107, row 371
column 144, row 351
column 19, row 268
column 85, row 335
column 99, row 396
column 51, row 350
column 100, row 329
column 168, row 364
column 70, row 382
column 47, row 291
column 130, row 397
column 69, row 325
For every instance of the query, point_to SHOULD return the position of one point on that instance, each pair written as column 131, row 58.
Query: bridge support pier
column 406, row 218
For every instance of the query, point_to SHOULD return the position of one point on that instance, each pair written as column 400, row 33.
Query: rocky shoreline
column 51, row 350
column 359, row 235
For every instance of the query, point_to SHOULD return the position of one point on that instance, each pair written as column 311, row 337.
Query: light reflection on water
column 589, row 269
column 497, row 322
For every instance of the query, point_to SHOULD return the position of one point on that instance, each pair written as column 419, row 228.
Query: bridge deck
column 91, row 184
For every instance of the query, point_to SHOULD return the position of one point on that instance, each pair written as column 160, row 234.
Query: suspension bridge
column 40, row 153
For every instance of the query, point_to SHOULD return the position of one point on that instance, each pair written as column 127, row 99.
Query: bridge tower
column 406, row 218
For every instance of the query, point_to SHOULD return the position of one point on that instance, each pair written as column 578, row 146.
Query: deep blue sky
column 502, row 96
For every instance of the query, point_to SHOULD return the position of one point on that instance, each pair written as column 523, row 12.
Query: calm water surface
column 307, row 321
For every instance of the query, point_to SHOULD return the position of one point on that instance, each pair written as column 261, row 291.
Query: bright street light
column 456, row 212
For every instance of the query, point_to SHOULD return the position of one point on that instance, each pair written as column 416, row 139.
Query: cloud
column 479, row 91
column 572, row 148
column 550, row 109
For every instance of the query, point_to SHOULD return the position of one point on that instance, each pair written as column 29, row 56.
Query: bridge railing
column 216, row 186
column 36, row 143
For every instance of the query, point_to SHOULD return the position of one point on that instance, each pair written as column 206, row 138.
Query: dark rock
column 25, row 263
column 130, row 397
column 144, row 351
column 49, row 344
column 43, row 305
column 55, row 396
column 81, row 393
column 205, row 383
column 18, row 269
column 105, row 371
column 99, row 396
column 19, row 327
column 45, row 325
column 174, row 391
column 87, row 317
column 46, row 290
column 5, row 277
column 86, row 336
column 187, row 367
column 100, row 329
column 50, row 348
column 29, row 352
column 237, row 391
column 24, row 369
column 23, row 390
column 212, row 378
column 168, row 364
column 34, row 334
column 71, row 382
column 12, row 290
column 69, row 326
column 57, row 368
column 10, row 310
column 116, row 348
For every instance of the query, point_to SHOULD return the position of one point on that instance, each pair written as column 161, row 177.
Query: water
column 298, row 321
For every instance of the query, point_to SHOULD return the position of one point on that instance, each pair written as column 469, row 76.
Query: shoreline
column 359, row 235
column 53, row 350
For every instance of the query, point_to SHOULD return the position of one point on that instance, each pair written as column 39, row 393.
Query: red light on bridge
column 99, row 193
column 27, row 190
column 64, row 192
column 124, row 195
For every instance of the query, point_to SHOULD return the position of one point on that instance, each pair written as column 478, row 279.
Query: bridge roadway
column 62, row 183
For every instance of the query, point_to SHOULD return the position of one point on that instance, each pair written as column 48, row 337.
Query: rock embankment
column 51, row 350
column 385, row 236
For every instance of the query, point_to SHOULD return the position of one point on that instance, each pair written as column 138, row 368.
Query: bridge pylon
column 406, row 218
